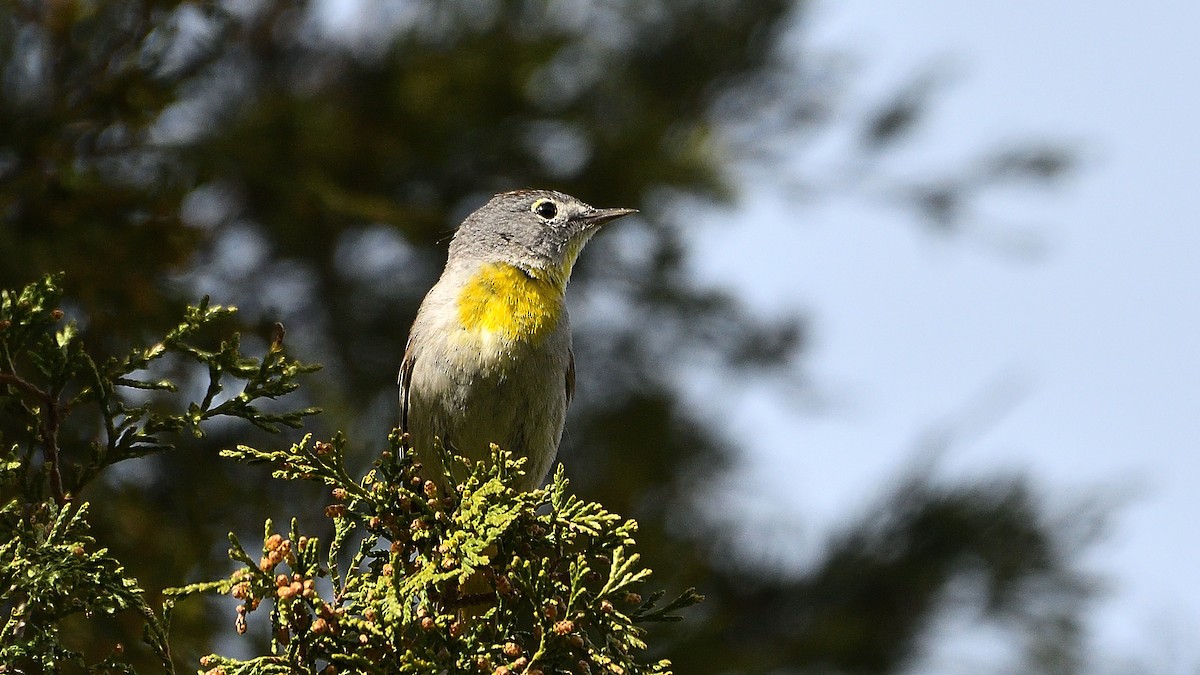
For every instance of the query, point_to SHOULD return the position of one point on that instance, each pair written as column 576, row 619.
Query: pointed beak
column 597, row 217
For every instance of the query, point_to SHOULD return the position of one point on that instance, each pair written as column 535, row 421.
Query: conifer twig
column 48, row 429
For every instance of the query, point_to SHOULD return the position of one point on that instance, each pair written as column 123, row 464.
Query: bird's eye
column 545, row 209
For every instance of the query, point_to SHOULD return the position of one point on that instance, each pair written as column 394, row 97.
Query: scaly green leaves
column 50, row 567
column 54, row 569
column 485, row 579
column 415, row 579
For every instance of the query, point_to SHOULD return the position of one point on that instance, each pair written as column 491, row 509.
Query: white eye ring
column 545, row 209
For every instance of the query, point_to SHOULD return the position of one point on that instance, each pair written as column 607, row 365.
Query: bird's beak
column 597, row 217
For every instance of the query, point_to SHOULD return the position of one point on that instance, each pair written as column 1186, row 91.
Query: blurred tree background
column 307, row 161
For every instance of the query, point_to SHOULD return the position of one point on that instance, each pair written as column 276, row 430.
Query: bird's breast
column 504, row 303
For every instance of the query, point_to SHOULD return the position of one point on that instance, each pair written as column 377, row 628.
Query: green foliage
column 484, row 578
column 52, row 567
column 48, row 375
column 55, row 570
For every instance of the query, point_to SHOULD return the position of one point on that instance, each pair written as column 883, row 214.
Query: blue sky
column 1080, row 367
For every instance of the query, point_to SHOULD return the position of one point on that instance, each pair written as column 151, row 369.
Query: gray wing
column 405, row 382
column 570, row 375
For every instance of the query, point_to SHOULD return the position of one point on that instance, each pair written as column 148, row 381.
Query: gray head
column 539, row 229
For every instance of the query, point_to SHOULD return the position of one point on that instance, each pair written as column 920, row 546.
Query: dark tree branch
column 48, row 430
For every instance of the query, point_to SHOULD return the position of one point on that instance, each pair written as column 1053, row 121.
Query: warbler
column 489, row 357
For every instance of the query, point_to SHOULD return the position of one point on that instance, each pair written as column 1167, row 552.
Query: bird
column 489, row 357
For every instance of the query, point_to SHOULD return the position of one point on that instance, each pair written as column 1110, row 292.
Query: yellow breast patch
column 509, row 302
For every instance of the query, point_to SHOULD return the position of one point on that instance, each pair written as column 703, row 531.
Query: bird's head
column 541, row 231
